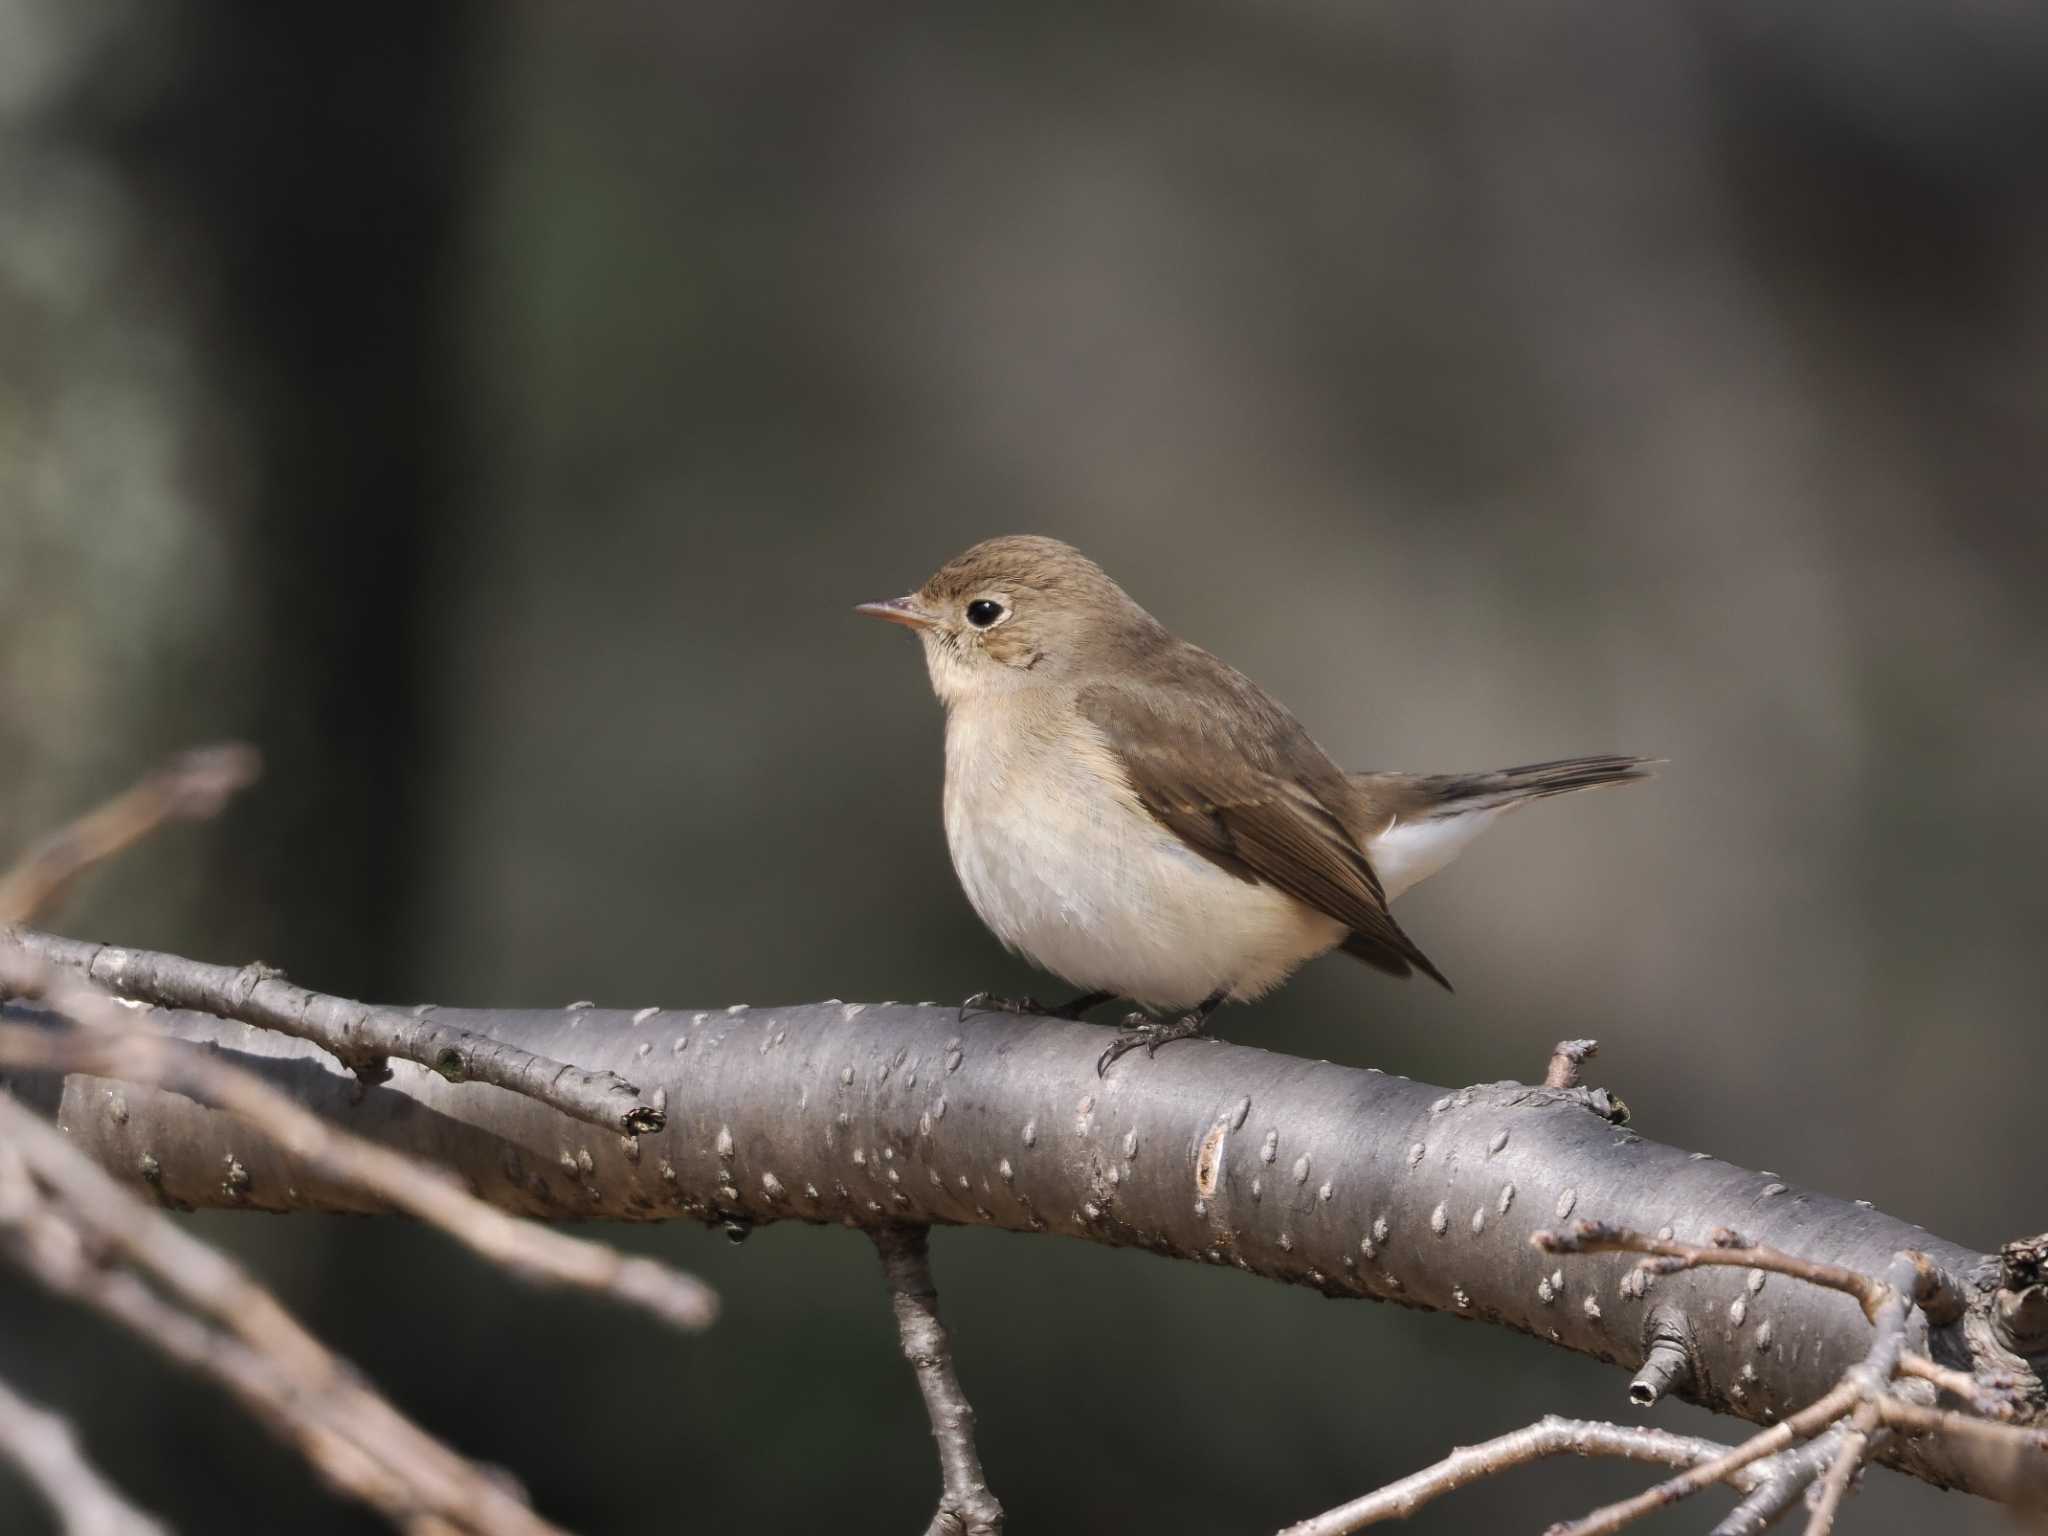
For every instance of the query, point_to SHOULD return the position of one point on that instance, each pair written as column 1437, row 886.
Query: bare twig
column 359, row 1035
column 354, row 1438
column 1856, row 1442
column 1781, row 1479
column 42, row 1446
column 1566, row 1060
column 967, row 1506
column 1916, row 1418
column 1864, row 1399
column 1548, row 1436
column 1798, row 1426
column 191, row 787
column 1668, row 1257
column 1990, row 1397
column 407, row 1183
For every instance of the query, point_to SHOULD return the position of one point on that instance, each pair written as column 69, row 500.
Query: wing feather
column 1247, row 789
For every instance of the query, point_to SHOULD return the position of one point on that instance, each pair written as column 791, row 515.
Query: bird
column 1145, row 822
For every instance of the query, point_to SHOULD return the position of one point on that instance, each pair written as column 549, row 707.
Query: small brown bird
column 1143, row 821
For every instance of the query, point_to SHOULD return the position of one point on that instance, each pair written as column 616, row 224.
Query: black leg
column 1071, row 1009
column 1153, row 1033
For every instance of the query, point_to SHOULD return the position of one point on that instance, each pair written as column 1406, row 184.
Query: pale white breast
column 1063, row 864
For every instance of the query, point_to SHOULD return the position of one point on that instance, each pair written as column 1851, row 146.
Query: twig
column 353, row 1437
column 192, row 787
column 1917, row 1419
column 361, row 1036
column 1668, row 1257
column 418, row 1188
column 1566, row 1060
column 1984, row 1396
column 1548, row 1436
column 1814, row 1417
column 967, row 1506
column 1781, row 1479
column 1856, row 1442
column 42, row 1446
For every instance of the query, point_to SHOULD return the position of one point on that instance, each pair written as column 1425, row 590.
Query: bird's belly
column 1084, row 882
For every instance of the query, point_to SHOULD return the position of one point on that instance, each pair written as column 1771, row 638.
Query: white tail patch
column 1407, row 852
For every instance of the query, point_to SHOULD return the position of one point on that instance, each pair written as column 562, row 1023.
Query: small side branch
column 106, row 1047
column 1548, row 1436
column 191, row 787
column 361, row 1036
column 1848, row 1422
column 1668, row 1258
column 43, row 1448
column 967, row 1506
column 60, row 1215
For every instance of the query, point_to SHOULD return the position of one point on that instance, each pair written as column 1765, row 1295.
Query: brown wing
column 1240, row 782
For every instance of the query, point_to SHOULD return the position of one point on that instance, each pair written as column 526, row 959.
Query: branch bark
column 362, row 1037
column 967, row 1505
column 1353, row 1182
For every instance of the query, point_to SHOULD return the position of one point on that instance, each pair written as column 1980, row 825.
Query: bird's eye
column 983, row 612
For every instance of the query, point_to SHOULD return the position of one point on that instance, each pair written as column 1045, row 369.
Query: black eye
column 984, row 611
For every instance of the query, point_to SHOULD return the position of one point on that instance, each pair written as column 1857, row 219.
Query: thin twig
column 45, row 1451
column 1919, row 1420
column 362, row 1037
column 1801, row 1425
column 1856, row 1442
column 418, row 1188
column 1566, row 1060
column 1986, row 1397
column 967, row 1506
column 354, row 1438
column 191, row 787
column 1728, row 1248
column 1548, row 1436
column 1781, row 1479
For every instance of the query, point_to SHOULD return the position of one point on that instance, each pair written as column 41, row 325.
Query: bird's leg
column 1073, row 1008
column 1153, row 1033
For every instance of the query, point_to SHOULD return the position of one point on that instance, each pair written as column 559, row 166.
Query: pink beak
column 900, row 610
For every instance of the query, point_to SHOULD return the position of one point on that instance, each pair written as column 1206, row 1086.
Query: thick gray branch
column 1353, row 1182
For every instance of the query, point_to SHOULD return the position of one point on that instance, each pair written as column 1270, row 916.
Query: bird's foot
column 1151, row 1034
column 988, row 1002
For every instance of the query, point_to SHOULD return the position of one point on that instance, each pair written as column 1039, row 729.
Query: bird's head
column 1018, row 611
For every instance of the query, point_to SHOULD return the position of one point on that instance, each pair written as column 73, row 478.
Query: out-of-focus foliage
column 494, row 411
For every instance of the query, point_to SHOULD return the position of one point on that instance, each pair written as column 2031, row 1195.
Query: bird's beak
column 906, row 611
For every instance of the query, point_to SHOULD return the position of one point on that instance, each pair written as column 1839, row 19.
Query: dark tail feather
column 1449, row 794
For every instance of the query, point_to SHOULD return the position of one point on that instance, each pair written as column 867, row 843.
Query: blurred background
column 494, row 410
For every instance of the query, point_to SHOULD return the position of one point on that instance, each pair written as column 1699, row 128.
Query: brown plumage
column 1097, row 764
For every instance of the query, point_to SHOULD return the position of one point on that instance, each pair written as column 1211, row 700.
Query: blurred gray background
column 493, row 410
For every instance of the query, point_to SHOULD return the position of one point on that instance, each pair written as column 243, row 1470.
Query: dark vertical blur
column 494, row 410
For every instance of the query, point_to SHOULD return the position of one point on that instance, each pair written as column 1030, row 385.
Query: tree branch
column 361, row 1037
column 1548, row 1436
column 191, row 787
column 43, row 1447
column 356, row 1440
column 108, row 1048
column 1353, row 1182
column 967, row 1505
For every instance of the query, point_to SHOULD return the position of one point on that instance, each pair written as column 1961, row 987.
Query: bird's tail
column 1417, row 823
column 1456, row 794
